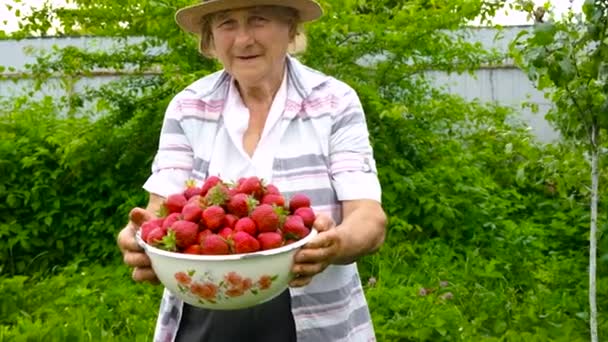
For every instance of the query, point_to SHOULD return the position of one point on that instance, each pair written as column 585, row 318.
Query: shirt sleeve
column 352, row 164
column 173, row 162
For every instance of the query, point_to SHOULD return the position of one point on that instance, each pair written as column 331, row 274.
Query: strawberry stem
column 169, row 241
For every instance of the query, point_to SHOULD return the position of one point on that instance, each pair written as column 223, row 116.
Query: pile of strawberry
column 220, row 218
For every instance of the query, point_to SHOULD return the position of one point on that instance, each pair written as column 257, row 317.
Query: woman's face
column 251, row 43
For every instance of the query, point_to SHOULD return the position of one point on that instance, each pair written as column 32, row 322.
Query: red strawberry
column 200, row 237
column 195, row 199
column 265, row 218
column 252, row 186
column 277, row 200
column 213, row 217
column 174, row 203
column 231, row 220
column 226, row 233
column 307, row 215
column 191, row 189
column 209, row 183
column 294, row 227
column 247, row 225
column 217, row 195
column 245, row 243
column 272, row 190
column 270, row 240
column 191, row 192
column 298, row 201
column 192, row 212
column 240, row 181
column 155, row 237
column 185, row 233
column 171, row 219
column 148, row 226
column 193, row 249
column 238, row 205
column 214, row 245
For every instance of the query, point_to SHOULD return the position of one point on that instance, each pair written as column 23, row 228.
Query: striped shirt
column 323, row 152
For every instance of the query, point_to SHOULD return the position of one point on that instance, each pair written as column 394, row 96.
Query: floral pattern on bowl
column 208, row 290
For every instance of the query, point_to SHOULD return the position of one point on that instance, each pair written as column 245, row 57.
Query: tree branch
column 586, row 124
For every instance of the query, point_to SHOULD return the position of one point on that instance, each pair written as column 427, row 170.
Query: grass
column 428, row 291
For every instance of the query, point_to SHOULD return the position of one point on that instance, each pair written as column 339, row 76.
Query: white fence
column 505, row 85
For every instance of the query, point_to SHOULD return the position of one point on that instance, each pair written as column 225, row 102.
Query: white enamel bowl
column 225, row 282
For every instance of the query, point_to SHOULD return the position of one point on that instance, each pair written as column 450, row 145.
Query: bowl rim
column 182, row 256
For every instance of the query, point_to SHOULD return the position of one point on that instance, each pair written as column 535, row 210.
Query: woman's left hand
column 319, row 253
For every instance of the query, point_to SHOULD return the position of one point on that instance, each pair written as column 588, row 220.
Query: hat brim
column 189, row 18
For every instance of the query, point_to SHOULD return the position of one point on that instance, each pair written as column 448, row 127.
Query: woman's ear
column 293, row 31
column 210, row 54
column 211, row 51
column 298, row 44
column 206, row 50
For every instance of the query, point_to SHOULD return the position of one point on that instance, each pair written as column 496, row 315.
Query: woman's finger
column 145, row 274
column 323, row 240
column 323, row 222
column 319, row 241
column 126, row 239
column 308, row 270
column 139, row 215
column 300, row 281
column 312, row 255
column 136, row 259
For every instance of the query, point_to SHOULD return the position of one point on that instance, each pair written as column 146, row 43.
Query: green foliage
column 391, row 58
column 477, row 209
column 567, row 59
column 513, row 255
column 68, row 184
column 77, row 303
column 449, row 295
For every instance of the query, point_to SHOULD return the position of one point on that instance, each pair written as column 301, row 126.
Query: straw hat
column 189, row 18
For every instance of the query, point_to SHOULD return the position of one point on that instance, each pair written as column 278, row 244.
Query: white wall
column 505, row 85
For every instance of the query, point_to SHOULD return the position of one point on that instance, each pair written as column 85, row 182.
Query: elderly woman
column 266, row 114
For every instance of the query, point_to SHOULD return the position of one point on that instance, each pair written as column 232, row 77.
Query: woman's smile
column 247, row 57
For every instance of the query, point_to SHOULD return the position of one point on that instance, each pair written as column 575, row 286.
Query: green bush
column 488, row 230
column 69, row 184
column 77, row 303
column 499, row 218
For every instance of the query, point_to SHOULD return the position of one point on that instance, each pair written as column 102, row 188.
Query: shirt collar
column 302, row 78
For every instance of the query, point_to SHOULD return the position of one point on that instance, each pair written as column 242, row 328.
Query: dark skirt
column 268, row 322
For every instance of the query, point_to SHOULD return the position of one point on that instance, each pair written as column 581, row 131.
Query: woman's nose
column 244, row 36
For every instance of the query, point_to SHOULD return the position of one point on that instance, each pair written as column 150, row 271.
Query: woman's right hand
column 133, row 254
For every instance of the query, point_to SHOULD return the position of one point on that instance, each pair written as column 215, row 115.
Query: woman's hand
column 133, row 254
column 319, row 253
column 361, row 232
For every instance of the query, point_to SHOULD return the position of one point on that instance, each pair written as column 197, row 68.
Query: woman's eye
column 225, row 23
column 259, row 20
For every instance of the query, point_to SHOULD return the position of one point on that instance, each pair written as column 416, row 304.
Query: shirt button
column 366, row 165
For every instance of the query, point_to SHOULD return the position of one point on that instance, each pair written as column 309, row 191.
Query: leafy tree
column 383, row 50
column 483, row 221
column 568, row 59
